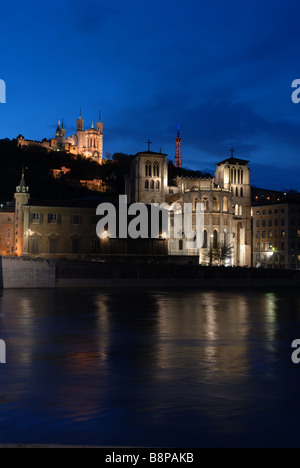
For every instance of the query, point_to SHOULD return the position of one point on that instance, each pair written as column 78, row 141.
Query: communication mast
column 178, row 161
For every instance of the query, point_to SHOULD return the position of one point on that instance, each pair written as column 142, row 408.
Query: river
column 150, row 368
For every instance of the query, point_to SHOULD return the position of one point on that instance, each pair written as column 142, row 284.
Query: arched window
column 158, row 186
column 147, row 185
column 242, row 176
column 181, row 244
column 215, row 238
column 237, row 192
column 156, row 169
column 242, row 192
column 235, row 176
column 205, row 239
column 236, row 210
column 206, row 204
column 216, row 204
column 148, row 169
column 152, row 185
column 225, row 204
column 239, row 176
column 231, row 176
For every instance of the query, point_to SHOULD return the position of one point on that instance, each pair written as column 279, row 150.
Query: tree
column 219, row 253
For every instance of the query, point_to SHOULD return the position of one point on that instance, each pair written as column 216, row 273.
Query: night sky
column 222, row 69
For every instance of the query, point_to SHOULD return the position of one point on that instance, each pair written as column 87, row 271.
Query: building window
column 258, row 223
column 181, row 244
column 205, row 240
column 242, row 192
column 264, row 234
column 147, row 185
column 152, row 186
column 283, row 234
column 237, row 192
column 54, row 218
column 270, row 234
column 270, row 222
column 264, row 223
column 53, row 245
column 283, row 222
column 94, row 246
column 148, row 169
column 156, row 169
column 35, row 245
column 215, row 238
column 158, row 186
column 257, row 234
column 206, row 204
column 8, row 233
column 76, row 220
column 75, row 245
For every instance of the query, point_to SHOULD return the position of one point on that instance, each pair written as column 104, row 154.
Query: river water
column 150, row 368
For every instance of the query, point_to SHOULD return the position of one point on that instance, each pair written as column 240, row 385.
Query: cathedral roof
column 150, row 153
column 234, row 161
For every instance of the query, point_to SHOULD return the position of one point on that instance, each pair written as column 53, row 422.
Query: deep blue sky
column 223, row 69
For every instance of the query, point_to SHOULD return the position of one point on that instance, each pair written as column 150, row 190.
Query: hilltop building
column 87, row 143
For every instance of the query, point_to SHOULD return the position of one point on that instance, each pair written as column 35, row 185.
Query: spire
column 80, row 113
column 99, row 116
column 22, row 187
column 178, row 133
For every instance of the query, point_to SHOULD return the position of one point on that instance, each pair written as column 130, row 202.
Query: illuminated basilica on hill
column 88, row 143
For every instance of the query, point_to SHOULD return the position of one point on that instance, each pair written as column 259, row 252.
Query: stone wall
column 26, row 273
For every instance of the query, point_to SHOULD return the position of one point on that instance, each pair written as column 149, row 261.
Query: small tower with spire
column 21, row 198
column 100, row 125
column 80, row 123
column 178, row 161
column 59, row 136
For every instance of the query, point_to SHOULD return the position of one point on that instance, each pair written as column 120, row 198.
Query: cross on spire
column 149, row 143
column 232, row 151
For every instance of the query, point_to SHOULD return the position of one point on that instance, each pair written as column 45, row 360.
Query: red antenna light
column 178, row 161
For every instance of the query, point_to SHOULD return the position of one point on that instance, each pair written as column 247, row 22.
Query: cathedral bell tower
column 21, row 198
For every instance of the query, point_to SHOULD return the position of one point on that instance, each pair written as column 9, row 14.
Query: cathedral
column 87, row 143
column 226, row 198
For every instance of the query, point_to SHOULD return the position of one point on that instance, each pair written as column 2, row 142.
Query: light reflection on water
column 142, row 368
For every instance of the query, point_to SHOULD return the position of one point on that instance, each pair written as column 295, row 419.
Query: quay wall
column 17, row 273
